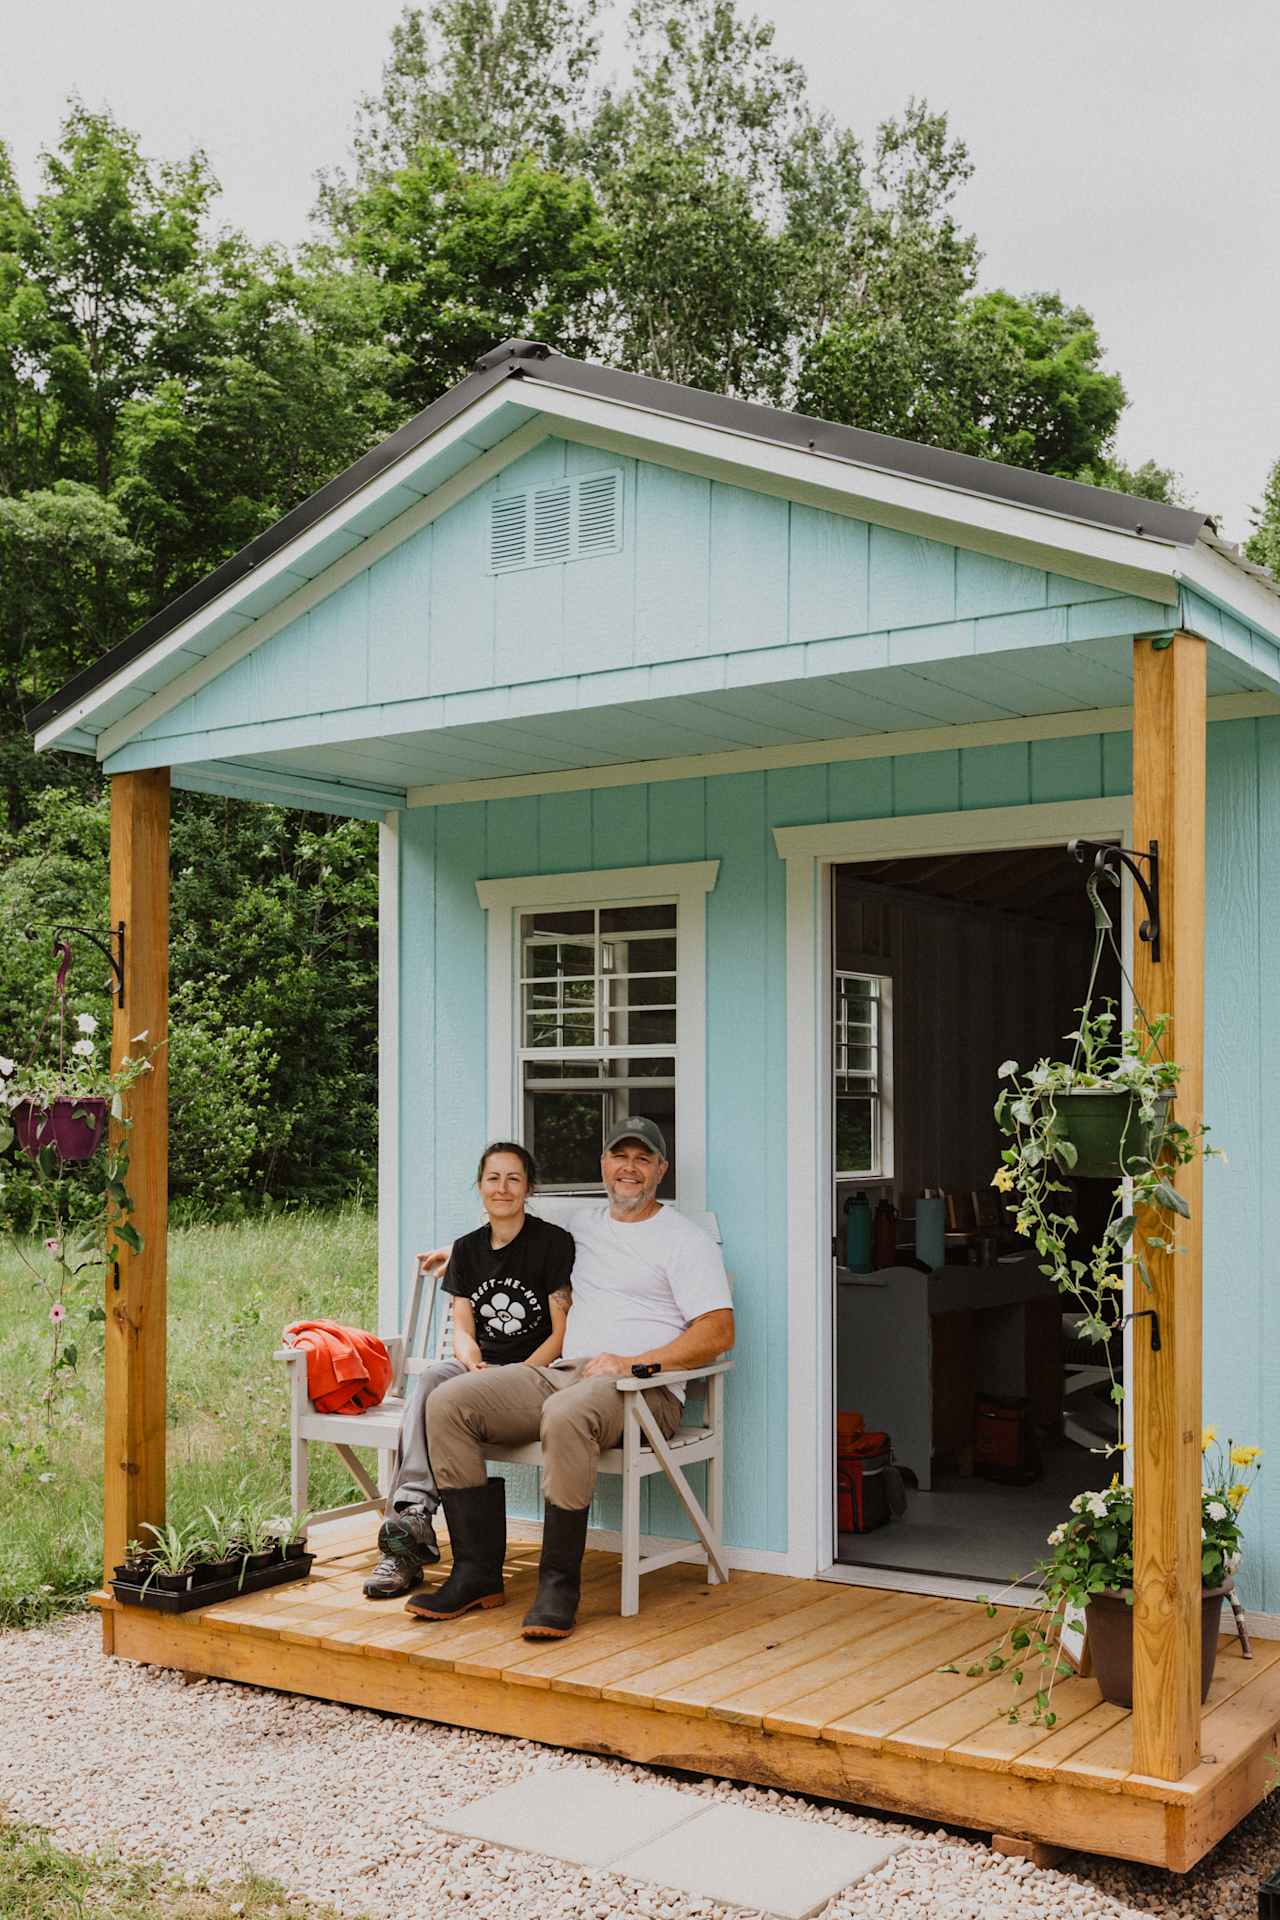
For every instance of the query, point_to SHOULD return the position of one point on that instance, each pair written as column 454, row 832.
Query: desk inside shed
column 914, row 1349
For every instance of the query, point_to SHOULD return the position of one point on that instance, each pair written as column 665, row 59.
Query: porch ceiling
column 366, row 771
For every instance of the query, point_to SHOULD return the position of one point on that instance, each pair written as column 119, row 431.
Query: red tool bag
column 863, row 1470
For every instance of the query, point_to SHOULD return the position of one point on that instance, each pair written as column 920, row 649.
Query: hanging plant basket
column 1107, row 1129
column 1110, row 1623
column 73, row 1125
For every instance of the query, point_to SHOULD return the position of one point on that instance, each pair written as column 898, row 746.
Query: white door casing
column 810, row 853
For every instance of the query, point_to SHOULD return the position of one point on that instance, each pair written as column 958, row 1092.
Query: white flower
column 1216, row 1510
column 1096, row 1504
column 6, row 1066
column 86, row 1023
column 84, row 1048
column 1058, row 1535
column 1077, row 1505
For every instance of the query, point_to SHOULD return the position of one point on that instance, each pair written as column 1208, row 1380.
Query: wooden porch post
column 1169, row 807
column 134, row 1385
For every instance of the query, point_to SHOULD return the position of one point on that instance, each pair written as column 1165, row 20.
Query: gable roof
column 565, row 380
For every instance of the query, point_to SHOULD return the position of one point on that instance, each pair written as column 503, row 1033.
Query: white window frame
column 882, row 1072
column 687, row 884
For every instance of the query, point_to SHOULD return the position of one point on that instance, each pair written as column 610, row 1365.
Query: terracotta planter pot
column 1108, row 1131
column 1110, row 1622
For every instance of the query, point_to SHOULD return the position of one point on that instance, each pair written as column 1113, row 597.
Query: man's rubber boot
column 408, row 1544
column 477, row 1519
column 555, row 1606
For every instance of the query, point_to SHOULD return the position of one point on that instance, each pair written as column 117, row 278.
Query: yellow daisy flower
column 1244, row 1456
column 1207, row 1438
column 1003, row 1178
column 1237, row 1493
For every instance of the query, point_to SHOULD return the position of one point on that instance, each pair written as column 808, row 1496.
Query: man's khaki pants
column 575, row 1419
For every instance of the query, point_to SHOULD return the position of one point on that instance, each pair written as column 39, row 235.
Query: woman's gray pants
column 413, row 1484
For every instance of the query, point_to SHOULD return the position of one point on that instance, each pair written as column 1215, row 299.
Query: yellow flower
column 1244, row 1456
column 1207, row 1438
column 1003, row 1178
column 1025, row 1224
column 1237, row 1493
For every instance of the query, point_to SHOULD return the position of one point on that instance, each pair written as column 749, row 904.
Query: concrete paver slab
column 770, row 1862
column 574, row 1814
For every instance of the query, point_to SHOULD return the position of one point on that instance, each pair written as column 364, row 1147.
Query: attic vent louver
column 573, row 520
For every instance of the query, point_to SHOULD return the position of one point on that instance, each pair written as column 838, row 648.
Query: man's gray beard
column 619, row 1205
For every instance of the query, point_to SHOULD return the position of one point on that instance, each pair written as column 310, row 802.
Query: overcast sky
column 1126, row 153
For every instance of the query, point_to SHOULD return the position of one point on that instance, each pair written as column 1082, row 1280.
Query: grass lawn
column 40, row 1882
column 231, row 1291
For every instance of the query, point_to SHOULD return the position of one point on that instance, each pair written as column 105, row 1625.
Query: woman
column 510, row 1286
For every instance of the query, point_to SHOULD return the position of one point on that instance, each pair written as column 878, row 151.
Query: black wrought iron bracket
column 1147, row 1313
column 113, row 954
column 1109, row 858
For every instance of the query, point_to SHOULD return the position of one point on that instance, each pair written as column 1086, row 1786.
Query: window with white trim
column 596, row 1015
column 860, row 1047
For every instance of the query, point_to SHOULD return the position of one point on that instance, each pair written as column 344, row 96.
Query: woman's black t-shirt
column 509, row 1287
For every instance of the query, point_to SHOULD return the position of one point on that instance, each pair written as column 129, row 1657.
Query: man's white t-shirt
column 637, row 1284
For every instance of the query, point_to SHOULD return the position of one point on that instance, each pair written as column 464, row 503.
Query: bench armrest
column 627, row 1383
column 394, row 1346
column 289, row 1354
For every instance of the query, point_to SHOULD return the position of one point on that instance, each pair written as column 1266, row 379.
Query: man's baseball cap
column 636, row 1127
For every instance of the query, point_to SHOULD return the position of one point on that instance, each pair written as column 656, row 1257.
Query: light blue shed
column 635, row 679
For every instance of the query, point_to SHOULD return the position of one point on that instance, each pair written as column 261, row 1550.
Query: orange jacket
column 348, row 1370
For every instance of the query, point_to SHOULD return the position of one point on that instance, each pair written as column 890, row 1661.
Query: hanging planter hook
column 1109, row 858
column 113, row 954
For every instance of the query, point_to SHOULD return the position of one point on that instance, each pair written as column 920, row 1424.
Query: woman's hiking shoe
column 477, row 1518
column 555, row 1605
column 408, row 1542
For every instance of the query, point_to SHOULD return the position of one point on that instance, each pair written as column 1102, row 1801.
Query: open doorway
column 951, row 1349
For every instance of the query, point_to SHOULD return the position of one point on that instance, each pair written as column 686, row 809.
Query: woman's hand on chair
column 436, row 1261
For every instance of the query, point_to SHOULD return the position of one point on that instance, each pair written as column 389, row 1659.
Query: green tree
column 456, row 261
column 1263, row 544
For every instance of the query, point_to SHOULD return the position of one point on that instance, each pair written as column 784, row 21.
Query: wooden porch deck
column 806, row 1685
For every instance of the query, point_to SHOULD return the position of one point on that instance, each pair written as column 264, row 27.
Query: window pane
column 853, row 1135
column 560, row 1030
column 636, row 919
column 547, row 959
column 631, row 1029
column 658, row 991
column 642, row 956
column 564, row 1132
column 577, row 920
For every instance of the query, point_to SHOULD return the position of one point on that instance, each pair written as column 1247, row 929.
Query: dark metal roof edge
column 298, row 519
column 963, row 472
column 534, row 362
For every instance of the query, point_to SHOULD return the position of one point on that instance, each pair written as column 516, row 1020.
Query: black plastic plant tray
column 1269, row 1898
column 208, row 1596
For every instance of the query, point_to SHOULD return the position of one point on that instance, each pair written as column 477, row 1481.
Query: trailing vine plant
column 1092, row 1550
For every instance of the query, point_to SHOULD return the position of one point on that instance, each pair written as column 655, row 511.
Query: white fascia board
column 979, row 830
column 285, row 561
column 1030, row 535
column 1231, row 588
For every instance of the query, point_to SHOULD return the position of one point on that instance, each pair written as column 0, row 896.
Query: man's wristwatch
column 645, row 1369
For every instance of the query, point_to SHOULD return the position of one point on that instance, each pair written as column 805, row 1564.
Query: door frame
column 809, row 854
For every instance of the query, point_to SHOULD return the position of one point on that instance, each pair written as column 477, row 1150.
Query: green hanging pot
column 1108, row 1131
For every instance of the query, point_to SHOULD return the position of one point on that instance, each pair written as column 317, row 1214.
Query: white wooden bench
column 643, row 1450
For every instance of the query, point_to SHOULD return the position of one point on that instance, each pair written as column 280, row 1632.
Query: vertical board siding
column 704, row 568
column 1235, row 1356
column 730, row 819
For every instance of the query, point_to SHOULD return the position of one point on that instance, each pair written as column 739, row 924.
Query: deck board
column 826, row 1689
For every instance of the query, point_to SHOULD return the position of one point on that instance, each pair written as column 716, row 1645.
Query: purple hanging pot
column 32, row 1125
column 77, row 1125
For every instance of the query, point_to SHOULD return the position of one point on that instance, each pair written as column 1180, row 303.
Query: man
column 649, row 1290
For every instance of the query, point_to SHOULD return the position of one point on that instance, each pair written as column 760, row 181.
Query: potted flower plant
column 65, row 1103
column 1089, row 1571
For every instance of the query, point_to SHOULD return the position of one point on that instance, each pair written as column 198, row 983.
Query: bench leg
column 715, row 1473
column 631, row 1481
column 299, row 1477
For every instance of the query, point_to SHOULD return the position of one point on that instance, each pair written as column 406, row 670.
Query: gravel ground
column 333, row 1802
